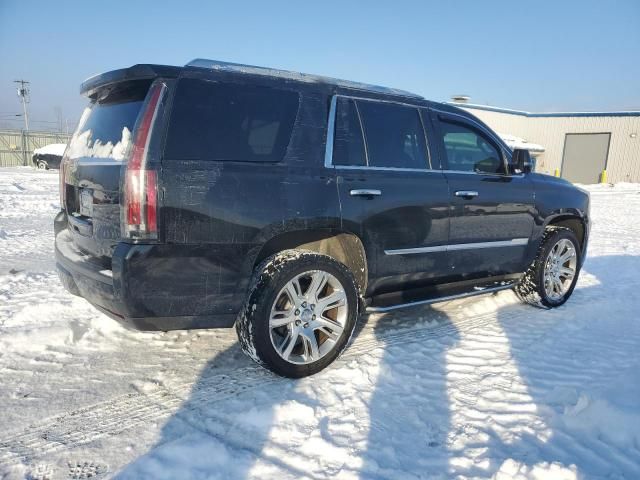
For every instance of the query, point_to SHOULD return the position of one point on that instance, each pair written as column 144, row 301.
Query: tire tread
column 529, row 289
column 260, row 288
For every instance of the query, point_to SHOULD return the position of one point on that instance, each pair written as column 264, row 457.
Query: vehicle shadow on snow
column 239, row 436
column 555, row 375
column 207, row 436
column 226, row 429
column 409, row 421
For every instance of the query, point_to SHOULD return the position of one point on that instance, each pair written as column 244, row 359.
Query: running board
column 447, row 298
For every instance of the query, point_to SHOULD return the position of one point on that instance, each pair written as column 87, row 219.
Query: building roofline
column 522, row 113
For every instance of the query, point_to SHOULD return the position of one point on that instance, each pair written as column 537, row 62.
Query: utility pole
column 23, row 93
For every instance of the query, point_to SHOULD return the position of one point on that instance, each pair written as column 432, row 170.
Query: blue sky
column 538, row 56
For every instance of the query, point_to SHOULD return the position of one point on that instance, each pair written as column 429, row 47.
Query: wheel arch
column 345, row 247
column 573, row 222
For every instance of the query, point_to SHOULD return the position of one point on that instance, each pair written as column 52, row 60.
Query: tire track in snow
column 487, row 410
column 114, row 416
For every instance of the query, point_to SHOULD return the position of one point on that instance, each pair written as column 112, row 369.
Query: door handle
column 466, row 193
column 365, row 192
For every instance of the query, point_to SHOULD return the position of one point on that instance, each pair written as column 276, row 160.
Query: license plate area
column 86, row 202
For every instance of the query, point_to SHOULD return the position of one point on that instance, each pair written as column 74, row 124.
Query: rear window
column 230, row 122
column 106, row 124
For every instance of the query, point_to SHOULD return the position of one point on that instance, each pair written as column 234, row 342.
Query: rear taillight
column 140, row 206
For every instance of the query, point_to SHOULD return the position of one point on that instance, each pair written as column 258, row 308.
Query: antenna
column 23, row 93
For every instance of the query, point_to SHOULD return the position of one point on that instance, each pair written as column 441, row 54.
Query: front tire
column 300, row 313
column 42, row 165
column 552, row 277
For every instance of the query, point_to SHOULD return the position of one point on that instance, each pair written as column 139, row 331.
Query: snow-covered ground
column 482, row 387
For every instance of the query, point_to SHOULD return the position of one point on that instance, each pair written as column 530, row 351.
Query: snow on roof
column 516, row 142
column 51, row 149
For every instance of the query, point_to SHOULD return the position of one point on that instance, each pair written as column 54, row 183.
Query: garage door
column 585, row 156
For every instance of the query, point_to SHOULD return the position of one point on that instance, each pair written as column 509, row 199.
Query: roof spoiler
column 136, row 72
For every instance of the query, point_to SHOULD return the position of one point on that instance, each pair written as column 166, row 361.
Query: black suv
column 218, row 194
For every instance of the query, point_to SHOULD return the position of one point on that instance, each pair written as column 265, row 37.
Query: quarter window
column 348, row 145
column 230, row 122
column 393, row 134
column 468, row 150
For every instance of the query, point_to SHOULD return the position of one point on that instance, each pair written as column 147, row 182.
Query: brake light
column 140, row 184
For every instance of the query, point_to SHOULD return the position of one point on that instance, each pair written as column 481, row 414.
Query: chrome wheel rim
column 308, row 317
column 560, row 269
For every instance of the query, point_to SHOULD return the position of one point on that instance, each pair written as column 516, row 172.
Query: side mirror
column 521, row 160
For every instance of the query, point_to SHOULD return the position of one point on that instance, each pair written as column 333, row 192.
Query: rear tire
column 300, row 313
column 42, row 165
column 552, row 277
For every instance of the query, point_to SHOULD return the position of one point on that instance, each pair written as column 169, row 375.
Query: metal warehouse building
column 579, row 145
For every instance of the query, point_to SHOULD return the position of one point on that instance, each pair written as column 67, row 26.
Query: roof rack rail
column 302, row 77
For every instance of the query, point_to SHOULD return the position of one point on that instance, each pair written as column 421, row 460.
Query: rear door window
column 230, row 122
column 348, row 144
column 394, row 135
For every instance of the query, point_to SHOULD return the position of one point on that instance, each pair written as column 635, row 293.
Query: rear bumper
column 134, row 292
column 86, row 279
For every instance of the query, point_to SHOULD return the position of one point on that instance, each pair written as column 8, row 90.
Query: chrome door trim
column 388, row 169
column 514, row 242
column 466, row 172
column 410, row 251
column 331, row 131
